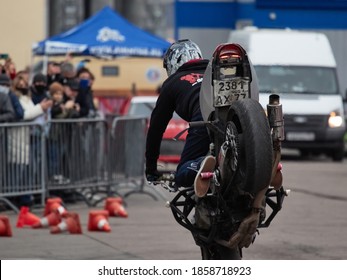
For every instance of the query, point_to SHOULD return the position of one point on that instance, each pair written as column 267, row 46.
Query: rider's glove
column 152, row 175
column 246, row 231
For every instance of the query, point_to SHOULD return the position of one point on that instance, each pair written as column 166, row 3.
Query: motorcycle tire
column 219, row 252
column 255, row 151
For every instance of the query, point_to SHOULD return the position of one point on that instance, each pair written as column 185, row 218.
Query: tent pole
column 45, row 63
column 31, row 66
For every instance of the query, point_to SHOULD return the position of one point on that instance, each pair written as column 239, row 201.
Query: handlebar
column 167, row 181
column 197, row 124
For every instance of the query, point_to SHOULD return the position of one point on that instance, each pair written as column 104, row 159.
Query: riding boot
column 204, row 176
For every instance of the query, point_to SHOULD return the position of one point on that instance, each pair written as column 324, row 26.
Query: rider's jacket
column 179, row 93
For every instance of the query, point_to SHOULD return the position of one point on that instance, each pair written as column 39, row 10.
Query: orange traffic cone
column 52, row 204
column 5, row 227
column 51, row 219
column 98, row 221
column 25, row 218
column 71, row 223
column 115, row 208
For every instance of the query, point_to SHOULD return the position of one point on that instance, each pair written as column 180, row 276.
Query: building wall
column 21, row 24
column 214, row 19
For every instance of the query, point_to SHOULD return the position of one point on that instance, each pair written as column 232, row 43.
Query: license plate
column 300, row 136
column 225, row 92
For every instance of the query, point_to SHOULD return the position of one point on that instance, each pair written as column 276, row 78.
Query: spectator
column 10, row 68
column 71, row 88
column 31, row 110
column 39, row 88
column 24, row 74
column 55, row 146
column 7, row 113
column 5, row 87
column 53, row 72
column 23, row 146
column 85, row 94
column 67, row 72
column 56, row 91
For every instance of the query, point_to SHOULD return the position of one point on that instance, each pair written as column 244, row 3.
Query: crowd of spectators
column 62, row 92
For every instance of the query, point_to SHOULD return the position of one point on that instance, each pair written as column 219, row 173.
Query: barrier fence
column 127, row 153
column 88, row 156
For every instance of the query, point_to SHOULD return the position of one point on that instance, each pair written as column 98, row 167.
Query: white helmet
column 179, row 53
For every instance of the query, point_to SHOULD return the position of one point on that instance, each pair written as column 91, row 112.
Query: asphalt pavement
column 149, row 232
column 311, row 226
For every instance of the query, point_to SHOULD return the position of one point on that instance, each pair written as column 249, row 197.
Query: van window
column 141, row 109
column 145, row 109
column 297, row 79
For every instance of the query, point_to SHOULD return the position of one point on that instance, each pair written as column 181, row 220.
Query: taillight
column 229, row 53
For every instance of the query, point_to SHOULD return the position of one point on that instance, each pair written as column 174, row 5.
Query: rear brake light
column 230, row 60
column 229, row 53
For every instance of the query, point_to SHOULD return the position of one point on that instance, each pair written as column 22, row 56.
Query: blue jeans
column 194, row 151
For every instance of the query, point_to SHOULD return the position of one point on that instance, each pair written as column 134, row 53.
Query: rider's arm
column 160, row 118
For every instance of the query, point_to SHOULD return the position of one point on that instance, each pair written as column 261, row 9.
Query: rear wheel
column 219, row 252
column 253, row 157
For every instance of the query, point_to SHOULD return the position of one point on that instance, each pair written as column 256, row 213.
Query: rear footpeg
column 206, row 175
column 275, row 205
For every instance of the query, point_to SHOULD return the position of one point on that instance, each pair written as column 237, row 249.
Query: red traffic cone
column 51, row 219
column 25, row 218
column 115, row 208
column 5, row 227
column 98, row 221
column 52, row 204
column 70, row 223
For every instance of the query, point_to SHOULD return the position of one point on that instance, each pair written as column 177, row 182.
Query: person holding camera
column 71, row 88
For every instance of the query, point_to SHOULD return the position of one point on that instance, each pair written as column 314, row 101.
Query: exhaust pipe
column 275, row 116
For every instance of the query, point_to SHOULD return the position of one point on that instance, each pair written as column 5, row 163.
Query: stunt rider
column 180, row 93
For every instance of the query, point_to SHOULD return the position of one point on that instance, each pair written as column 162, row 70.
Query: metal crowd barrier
column 21, row 165
column 85, row 156
column 127, row 154
column 76, row 158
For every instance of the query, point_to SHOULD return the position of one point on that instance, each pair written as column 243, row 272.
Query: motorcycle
column 246, row 143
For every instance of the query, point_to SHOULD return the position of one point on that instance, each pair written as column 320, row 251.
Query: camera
column 4, row 56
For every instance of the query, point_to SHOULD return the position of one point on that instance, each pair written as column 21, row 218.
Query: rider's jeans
column 195, row 150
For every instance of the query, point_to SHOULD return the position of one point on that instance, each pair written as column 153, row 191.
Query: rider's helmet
column 179, row 53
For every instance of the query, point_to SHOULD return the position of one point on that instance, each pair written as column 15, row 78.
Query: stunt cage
column 184, row 202
column 246, row 143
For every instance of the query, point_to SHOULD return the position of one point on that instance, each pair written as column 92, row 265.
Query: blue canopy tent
column 106, row 34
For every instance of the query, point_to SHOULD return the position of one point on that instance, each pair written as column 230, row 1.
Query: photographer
column 71, row 88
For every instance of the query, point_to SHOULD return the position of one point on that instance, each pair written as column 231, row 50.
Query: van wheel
column 338, row 154
column 254, row 151
column 304, row 153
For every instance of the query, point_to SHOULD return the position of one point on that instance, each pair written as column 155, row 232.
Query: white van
column 301, row 68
